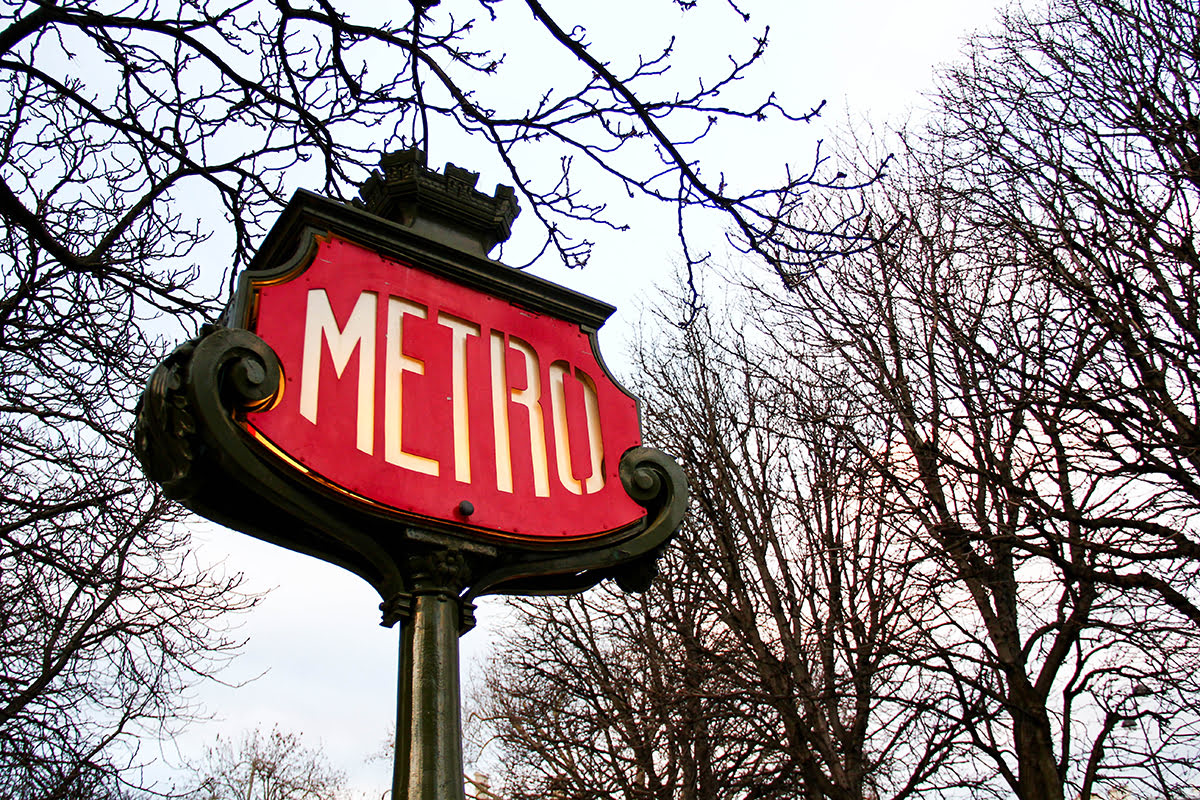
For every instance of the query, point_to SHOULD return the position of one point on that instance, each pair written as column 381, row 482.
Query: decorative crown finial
column 443, row 206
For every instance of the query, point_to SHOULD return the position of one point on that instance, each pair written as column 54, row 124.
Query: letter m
column 359, row 332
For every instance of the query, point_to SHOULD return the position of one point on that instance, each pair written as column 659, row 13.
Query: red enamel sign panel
column 415, row 394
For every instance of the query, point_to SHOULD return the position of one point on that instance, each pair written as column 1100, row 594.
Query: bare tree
column 1020, row 342
column 950, row 350
column 104, row 616
column 1074, row 133
column 118, row 121
column 271, row 766
column 602, row 696
column 769, row 659
column 115, row 112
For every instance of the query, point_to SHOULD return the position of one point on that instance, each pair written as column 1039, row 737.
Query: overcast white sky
column 316, row 662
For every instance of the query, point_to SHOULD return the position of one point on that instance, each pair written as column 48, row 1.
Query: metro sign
column 384, row 396
column 418, row 396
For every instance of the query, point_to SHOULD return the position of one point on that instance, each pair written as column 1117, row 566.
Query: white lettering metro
column 359, row 333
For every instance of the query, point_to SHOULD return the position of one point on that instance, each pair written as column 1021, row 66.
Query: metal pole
column 428, row 763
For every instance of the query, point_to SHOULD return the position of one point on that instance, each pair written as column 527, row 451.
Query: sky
column 315, row 660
